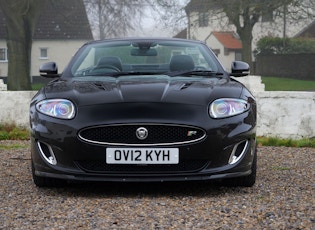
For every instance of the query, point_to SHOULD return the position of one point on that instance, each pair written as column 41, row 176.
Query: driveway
column 282, row 198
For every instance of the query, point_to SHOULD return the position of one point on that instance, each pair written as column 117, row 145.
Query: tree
column 117, row 18
column 244, row 14
column 20, row 18
column 112, row 18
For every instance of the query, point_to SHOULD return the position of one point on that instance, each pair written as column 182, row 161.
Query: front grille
column 101, row 167
column 158, row 134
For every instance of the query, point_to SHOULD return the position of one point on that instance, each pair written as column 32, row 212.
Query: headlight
column 227, row 107
column 59, row 108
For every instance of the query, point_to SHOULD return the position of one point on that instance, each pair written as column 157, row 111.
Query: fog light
column 47, row 153
column 238, row 152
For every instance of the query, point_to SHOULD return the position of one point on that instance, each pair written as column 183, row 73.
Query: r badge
column 191, row 133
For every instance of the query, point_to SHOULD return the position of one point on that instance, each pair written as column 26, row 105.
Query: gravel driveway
column 282, row 198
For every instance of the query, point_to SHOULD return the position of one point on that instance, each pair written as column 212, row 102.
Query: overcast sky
column 151, row 27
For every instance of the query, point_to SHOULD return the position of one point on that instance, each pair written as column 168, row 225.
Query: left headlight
column 227, row 107
column 59, row 108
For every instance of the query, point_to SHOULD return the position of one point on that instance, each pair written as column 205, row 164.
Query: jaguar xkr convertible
column 143, row 110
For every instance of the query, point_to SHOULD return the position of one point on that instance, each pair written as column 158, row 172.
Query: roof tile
column 228, row 39
column 62, row 19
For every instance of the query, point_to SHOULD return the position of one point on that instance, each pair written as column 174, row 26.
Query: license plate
column 142, row 156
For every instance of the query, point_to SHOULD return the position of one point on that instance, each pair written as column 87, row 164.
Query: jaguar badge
column 142, row 133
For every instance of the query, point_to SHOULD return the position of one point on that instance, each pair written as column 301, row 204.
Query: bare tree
column 20, row 19
column 244, row 14
column 112, row 18
column 116, row 18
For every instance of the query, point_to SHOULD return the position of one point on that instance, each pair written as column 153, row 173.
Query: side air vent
column 238, row 151
column 47, row 153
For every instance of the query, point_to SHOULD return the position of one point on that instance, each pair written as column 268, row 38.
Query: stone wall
column 15, row 107
column 286, row 114
column 280, row 114
column 3, row 86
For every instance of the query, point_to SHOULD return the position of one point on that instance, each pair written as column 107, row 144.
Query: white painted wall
column 15, row 107
column 225, row 59
column 280, row 114
column 59, row 51
column 286, row 114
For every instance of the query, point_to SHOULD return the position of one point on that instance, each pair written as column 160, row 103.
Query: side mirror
column 239, row 69
column 49, row 70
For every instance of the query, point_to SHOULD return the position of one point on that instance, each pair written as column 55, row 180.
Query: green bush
column 276, row 45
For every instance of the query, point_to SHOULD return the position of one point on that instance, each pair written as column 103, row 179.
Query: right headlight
column 227, row 107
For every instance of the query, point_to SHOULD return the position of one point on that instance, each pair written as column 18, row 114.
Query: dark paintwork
column 149, row 99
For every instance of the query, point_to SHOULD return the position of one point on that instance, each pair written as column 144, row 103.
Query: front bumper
column 205, row 166
column 226, row 150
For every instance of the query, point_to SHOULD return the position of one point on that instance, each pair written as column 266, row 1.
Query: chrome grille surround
column 158, row 134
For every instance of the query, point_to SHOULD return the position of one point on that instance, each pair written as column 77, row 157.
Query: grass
column 37, row 86
column 12, row 146
column 274, row 141
column 12, row 132
column 287, row 84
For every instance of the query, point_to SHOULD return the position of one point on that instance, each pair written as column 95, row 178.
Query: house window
column 238, row 56
column 203, row 19
column 3, row 54
column 267, row 15
column 216, row 52
column 43, row 53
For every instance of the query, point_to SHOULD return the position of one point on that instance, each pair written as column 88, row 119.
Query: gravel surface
column 282, row 198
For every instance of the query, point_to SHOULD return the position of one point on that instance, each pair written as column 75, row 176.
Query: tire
column 245, row 181
column 47, row 181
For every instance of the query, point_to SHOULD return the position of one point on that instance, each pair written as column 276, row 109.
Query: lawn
column 287, row 84
column 37, row 86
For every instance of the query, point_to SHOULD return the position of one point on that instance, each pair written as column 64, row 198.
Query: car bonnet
column 155, row 89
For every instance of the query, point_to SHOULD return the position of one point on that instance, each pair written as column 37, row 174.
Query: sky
column 152, row 27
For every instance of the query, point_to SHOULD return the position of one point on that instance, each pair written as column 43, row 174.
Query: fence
column 299, row 66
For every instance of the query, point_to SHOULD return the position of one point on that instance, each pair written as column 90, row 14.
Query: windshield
column 114, row 58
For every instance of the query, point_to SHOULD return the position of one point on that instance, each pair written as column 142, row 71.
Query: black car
column 143, row 110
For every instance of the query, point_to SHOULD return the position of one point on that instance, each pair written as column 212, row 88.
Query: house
column 203, row 25
column 308, row 31
column 181, row 34
column 226, row 45
column 62, row 28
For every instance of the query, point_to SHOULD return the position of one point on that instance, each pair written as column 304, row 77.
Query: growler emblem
column 142, row 133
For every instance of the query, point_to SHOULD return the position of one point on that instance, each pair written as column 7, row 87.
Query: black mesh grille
column 102, row 167
column 157, row 134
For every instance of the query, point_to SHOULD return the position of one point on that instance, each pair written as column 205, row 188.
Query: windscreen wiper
column 194, row 72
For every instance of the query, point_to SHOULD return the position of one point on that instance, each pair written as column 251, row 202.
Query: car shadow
column 116, row 189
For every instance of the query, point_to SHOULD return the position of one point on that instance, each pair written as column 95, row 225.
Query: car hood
column 155, row 89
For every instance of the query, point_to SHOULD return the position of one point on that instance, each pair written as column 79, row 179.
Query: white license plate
column 142, row 156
